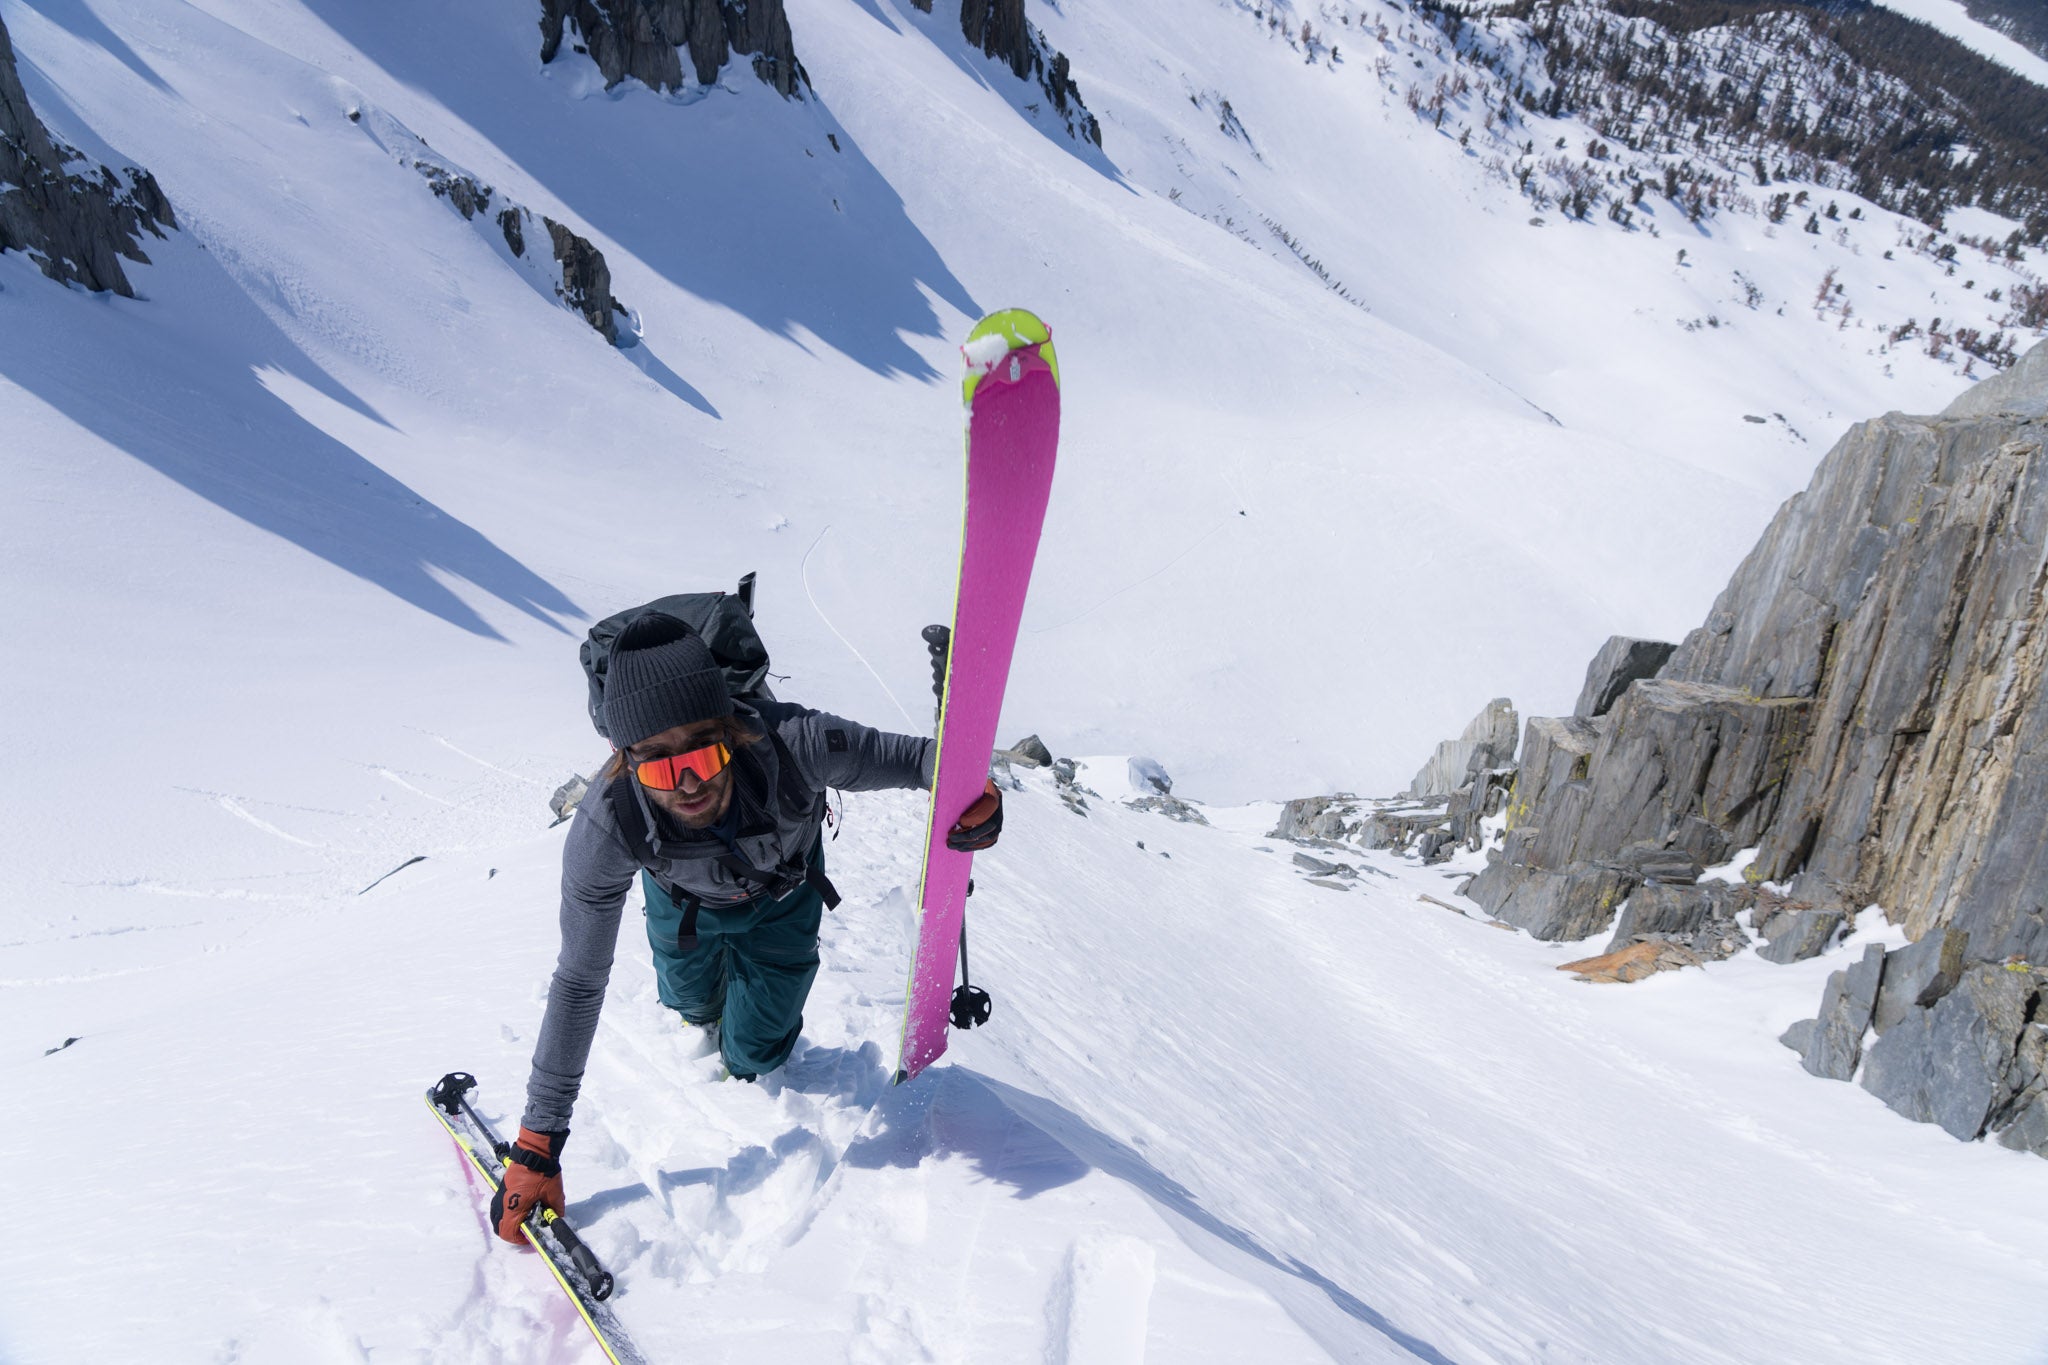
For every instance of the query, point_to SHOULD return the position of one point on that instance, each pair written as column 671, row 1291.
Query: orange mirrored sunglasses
column 665, row 774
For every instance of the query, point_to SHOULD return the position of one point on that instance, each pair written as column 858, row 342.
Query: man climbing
column 716, row 803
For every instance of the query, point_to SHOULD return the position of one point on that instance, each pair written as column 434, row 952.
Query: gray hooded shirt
column 598, row 865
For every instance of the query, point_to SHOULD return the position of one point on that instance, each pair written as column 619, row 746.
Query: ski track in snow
column 804, row 576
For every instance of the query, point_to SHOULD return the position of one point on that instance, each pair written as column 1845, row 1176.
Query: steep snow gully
column 299, row 543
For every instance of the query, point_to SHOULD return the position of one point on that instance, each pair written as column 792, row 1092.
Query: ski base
column 1011, row 392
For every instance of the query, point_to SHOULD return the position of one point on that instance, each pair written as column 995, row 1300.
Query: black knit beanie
column 660, row 674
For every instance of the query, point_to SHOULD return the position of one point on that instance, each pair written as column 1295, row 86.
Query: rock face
column 1702, row 919
column 1621, row 661
column 1031, row 752
column 1917, row 976
column 1478, row 801
column 1488, row 742
column 999, row 29
column 1861, row 704
column 1664, row 784
column 1149, row 777
column 586, row 280
column 1972, row 1062
column 646, row 39
column 1832, row 1045
column 1398, row 825
column 1317, row 819
column 1902, row 597
column 569, row 796
column 1795, row 935
column 75, row 220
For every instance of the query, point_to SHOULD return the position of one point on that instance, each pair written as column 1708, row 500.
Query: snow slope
column 1442, row 1150
column 298, row 547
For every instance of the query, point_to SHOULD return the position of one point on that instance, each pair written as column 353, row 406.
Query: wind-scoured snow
column 300, row 544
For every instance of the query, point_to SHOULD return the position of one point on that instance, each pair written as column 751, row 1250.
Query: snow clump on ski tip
column 983, row 352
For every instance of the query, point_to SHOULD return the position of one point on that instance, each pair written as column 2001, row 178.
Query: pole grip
column 939, row 641
column 582, row 1257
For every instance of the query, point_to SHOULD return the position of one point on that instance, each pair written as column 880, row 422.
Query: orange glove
column 980, row 823
column 533, row 1176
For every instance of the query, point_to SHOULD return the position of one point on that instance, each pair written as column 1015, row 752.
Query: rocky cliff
column 647, row 39
column 1000, row 30
column 75, row 220
column 555, row 260
column 1862, row 708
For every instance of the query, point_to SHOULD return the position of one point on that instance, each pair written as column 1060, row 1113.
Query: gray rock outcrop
column 1918, row 975
column 572, row 270
column 1902, row 597
column 76, row 221
column 1149, row 777
column 1478, row 801
column 1700, row 918
column 1155, row 793
column 1317, row 819
column 2024, row 1125
column 646, row 40
column 1675, row 774
column 1172, row 807
column 1864, row 707
column 2021, row 392
column 569, row 796
column 1000, row 30
column 1488, row 742
column 586, row 286
column 1832, row 1045
column 1859, row 703
column 1794, row 935
column 1398, row 827
column 1621, row 661
column 1031, row 752
column 1960, row 1064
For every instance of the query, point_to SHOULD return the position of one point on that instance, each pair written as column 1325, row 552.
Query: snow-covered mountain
column 1359, row 432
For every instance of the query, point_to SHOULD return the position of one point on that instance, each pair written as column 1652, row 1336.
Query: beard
column 698, row 816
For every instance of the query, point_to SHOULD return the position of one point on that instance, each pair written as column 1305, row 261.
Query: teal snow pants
column 751, row 970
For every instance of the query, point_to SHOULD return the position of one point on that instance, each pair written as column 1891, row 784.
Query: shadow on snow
column 81, row 23
column 180, row 383
column 736, row 196
column 1022, row 94
column 1026, row 1142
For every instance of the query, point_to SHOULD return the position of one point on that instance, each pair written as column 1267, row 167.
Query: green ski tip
column 998, row 334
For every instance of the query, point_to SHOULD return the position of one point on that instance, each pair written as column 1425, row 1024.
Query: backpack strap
column 782, row 883
column 635, row 821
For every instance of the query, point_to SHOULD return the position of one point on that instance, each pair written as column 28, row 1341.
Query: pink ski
column 1012, row 392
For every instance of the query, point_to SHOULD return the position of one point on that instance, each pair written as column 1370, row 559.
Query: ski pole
column 971, row 1005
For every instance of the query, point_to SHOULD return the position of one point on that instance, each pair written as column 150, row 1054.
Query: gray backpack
column 724, row 619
